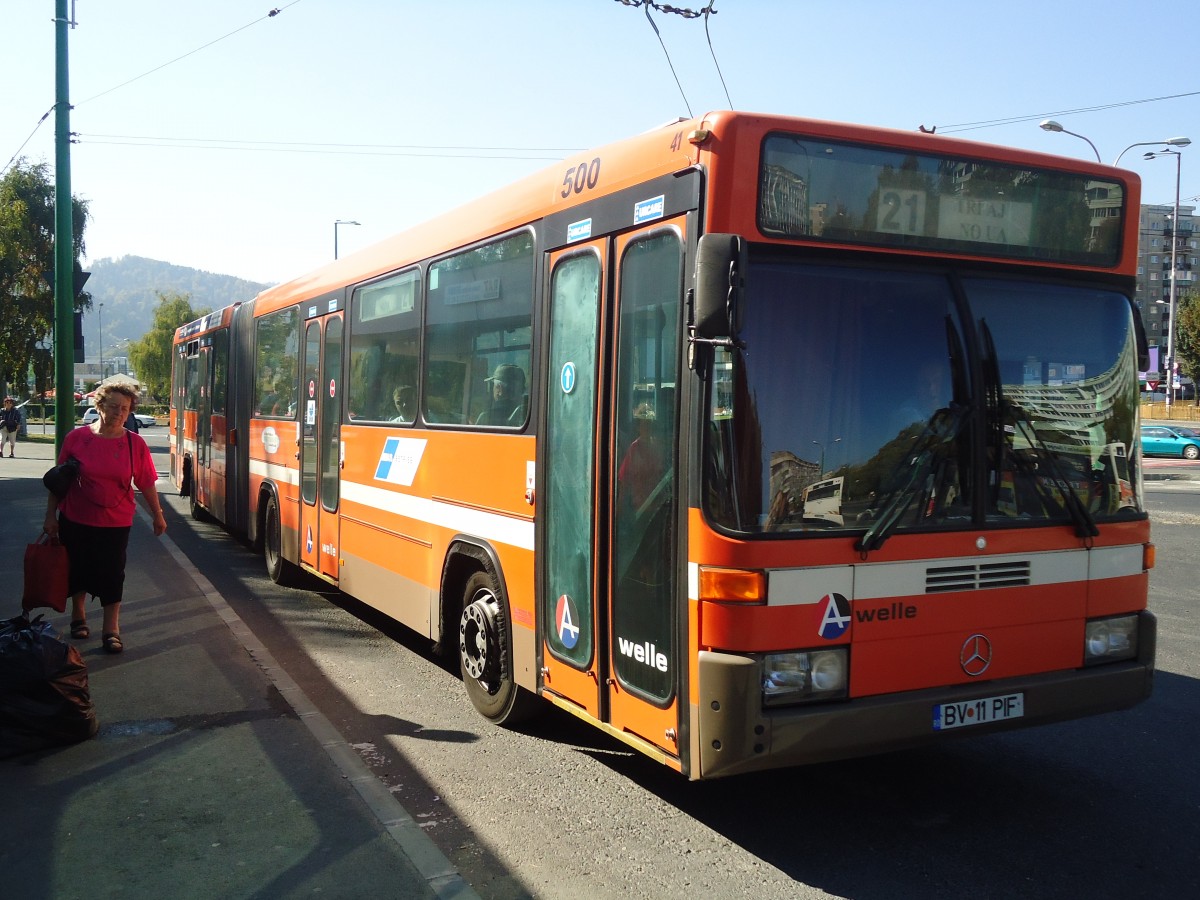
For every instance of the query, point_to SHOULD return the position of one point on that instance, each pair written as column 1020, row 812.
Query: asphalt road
column 1102, row 807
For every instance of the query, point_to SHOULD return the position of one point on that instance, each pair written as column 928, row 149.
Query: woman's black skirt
column 97, row 558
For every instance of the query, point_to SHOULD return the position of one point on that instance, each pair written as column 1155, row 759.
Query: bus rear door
column 208, row 465
column 320, row 444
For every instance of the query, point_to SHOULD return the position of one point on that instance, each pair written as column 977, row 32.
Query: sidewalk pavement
column 212, row 774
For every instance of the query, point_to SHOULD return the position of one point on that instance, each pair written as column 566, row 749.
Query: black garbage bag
column 44, row 697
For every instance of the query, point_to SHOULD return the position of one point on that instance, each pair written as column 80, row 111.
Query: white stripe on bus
column 274, row 471
column 494, row 527
column 873, row 581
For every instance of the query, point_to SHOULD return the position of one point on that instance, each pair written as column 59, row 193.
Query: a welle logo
column 645, row 653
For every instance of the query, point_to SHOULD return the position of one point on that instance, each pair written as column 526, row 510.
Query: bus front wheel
column 484, row 655
column 199, row 513
column 279, row 570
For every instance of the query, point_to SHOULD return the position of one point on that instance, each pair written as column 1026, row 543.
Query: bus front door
column 320, row 445
column 570, row 610
column 610, row 577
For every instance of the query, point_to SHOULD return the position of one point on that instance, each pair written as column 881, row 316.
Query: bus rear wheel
column 485, row 656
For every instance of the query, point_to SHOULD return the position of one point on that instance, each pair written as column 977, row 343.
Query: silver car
column 91, row 414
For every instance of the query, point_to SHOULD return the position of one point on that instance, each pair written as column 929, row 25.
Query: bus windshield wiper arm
column 1085, row 525
column 942, row 430
column 1001, row 409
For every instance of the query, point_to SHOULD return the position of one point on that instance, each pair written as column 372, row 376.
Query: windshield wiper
column 1001, row 409
column 931, row 448
column 1085, row 525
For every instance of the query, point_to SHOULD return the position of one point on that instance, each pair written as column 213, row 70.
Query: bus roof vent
column 974, row 577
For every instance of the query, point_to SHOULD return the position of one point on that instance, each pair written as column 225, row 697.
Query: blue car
column 1170, row 440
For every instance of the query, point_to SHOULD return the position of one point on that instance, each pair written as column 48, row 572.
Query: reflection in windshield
column 853, row 405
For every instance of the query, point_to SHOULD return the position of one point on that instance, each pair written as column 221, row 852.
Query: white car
column 90, row 415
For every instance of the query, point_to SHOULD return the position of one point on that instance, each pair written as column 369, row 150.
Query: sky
column 216, row 136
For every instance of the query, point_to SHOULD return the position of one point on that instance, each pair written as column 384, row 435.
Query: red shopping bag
column 46, row 571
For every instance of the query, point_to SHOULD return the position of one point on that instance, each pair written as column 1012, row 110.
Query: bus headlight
column 1110, row 640
column 804, row 676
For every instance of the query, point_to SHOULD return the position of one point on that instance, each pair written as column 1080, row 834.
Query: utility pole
column 64, row 240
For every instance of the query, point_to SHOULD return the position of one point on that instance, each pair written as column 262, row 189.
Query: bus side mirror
column 720, row 285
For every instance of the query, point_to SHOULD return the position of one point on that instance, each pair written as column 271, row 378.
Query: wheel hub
column 477, row 638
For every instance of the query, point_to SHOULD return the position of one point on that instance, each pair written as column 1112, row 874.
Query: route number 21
column 902, row 212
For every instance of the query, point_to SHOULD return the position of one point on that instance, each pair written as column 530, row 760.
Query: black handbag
column 60, row 478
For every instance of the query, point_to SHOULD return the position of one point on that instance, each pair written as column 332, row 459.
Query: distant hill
column 129, row 288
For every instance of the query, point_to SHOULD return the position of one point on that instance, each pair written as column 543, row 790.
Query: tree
column 150, row 357
column 1187, row 333
column 27, row 264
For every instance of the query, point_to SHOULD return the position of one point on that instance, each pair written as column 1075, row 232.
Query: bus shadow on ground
column 1104, row 806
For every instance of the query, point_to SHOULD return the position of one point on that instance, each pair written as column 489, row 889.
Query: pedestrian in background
column 94, row 519
column 10, row 423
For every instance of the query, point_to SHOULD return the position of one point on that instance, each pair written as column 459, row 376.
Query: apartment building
column 1156, row 232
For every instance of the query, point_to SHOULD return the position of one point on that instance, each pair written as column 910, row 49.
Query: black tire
column 279, row 570
column 199, row 513
column 485, row 656
column 1191, row 451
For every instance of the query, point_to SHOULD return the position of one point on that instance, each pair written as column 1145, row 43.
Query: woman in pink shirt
column 94, row 518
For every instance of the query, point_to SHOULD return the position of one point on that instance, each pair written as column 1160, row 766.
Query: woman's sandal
column 112, row 642
column 80, row 630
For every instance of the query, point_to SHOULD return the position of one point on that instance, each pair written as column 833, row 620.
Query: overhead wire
column 24, row 143
column 706, row 12
column 414, row 150
column 646, row 8
column 646, row 5
column 710, row 9
column 270, row 15
column 1013, row 120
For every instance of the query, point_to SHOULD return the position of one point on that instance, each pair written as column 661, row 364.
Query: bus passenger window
column 405, row 401
column 384, row 340
column 276, row 362
column 479, row 334
column 507, row 397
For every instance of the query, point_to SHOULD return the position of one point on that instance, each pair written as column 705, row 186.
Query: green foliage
column 1187, row 332
column 27, row 264
column 150, row 357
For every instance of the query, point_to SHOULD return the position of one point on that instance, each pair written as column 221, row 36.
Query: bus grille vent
column 942, row 579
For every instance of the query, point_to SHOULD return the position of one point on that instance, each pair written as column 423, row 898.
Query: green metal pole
column 64, row 241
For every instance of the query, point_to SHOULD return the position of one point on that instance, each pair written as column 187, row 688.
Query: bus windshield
column 926, row 399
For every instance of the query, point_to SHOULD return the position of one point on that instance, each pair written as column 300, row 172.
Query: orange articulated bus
column 570, row 430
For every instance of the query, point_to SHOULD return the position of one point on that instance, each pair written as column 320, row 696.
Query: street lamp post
column 100, row 313
column 821, row 465
column 1051, row 125
column 1170, row 142
column 335, row 233
column 1174, row 251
